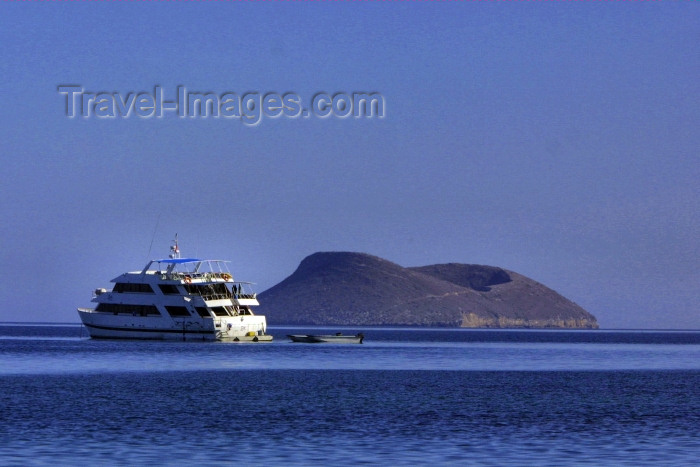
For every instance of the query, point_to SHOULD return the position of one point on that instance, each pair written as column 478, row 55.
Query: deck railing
column 200, row 276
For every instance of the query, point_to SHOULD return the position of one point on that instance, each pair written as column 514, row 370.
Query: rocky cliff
column 339, row 288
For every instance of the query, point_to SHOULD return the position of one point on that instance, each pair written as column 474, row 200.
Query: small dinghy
column 337, row 338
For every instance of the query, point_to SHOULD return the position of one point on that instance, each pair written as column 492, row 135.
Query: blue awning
column 178, row 260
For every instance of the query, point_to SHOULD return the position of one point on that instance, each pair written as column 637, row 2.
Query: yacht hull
column 235, row 329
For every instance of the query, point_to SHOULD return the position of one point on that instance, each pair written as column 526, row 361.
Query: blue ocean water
column 404, row 397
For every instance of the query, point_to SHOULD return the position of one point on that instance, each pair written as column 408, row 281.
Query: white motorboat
column 337, row 338
column 176, row 299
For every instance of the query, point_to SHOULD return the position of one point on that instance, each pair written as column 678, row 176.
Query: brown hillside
column 339, row 288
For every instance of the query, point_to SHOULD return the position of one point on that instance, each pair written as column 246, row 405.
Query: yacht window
column 136, row 310
column 169, row 289
column 177, row 311
column 125, row 287
column 202, row 311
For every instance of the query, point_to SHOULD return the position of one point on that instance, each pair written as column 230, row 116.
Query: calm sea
column 404, row 397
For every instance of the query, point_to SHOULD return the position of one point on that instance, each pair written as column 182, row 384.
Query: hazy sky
column 556, row 139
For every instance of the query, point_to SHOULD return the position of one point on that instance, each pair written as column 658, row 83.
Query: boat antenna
column 174, row 249
column 153, row 238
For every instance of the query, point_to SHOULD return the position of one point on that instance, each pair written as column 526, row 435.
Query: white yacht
column 177, row 299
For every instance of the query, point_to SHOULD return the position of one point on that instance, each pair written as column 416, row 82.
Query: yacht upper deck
column 189, row 268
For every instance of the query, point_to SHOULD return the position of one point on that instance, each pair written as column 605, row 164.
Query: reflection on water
column 46, row 350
